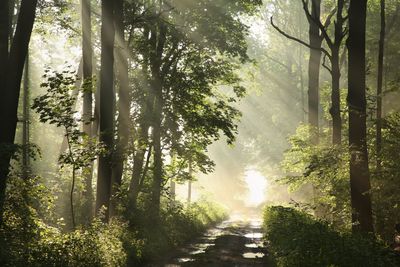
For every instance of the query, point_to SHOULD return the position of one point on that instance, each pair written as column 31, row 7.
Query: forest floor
column 233, row 243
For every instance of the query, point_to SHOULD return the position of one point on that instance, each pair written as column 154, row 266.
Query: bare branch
column 326, row 66
column 299, row 41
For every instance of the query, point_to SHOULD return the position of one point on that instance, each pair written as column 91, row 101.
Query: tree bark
column 313, row 71
column 26, row 122
column 11, row 71
column 189, row 197
column 137, row 170
column 87, row 70
column 106, row 120
column 379, row 87
column 123, row 102
column 359, row 172
column 157, row 156
column 335, row 110
column 335, row 98
column 158, row 41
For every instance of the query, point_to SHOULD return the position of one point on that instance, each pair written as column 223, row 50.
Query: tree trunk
column 313, row 72
column 189, row 197
column 335, row 73
column 359, row 172
column 137, row 169
column 172, row 191
column 26, row 122
column 379, row 88
column 87, row 70
column 106, row 122
column 335, row 98
column 123, row 102
column 11, row 82
column 157, row 156
column 380, row 221
column 157, row 41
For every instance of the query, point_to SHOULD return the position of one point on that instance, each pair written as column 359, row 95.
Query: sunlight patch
column 256, row 184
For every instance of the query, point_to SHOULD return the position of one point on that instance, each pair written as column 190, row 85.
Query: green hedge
column 297, row 239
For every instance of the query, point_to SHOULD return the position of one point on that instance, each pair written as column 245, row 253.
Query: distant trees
column 159, row 96
column 319, row 162
column 334, row 44
column 180, row 102
column 318, row 32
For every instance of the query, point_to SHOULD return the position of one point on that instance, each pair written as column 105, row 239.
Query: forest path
column 233, row 243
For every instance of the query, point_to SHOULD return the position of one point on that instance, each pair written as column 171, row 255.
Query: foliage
column 57, row 107
column 177, row 226
column 27, row 240
column 325, row 168
column 298, row 239
column 385, row 180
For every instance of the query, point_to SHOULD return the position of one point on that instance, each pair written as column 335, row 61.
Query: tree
column 106, row 114
column 12, row 62
column 124, row 102
column 181, row 73
column 334, row 45
column 315, row 46
column 87, row 71
column 56, row 107
column 359, row 172
column 379, row 85
column 314, row 69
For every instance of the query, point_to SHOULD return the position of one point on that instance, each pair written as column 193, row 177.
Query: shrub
column 297, row 239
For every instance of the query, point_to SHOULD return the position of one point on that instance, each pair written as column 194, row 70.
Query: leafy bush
column 178, row 225
column 326, row 168
column 297, row 239
column 27, row 240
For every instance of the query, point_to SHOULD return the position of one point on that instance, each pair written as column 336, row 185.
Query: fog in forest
column 199, row 133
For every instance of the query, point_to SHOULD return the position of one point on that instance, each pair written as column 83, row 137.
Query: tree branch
column 298, row 40
column 318, row 22
column 326, row 66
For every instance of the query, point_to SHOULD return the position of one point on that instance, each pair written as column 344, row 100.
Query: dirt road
column 234, row 243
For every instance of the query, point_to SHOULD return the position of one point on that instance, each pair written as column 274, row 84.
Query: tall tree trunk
column 359, row 172
column 380, row 222
column 335, row 73
column 313, row 71
column 4, row 38
column 123, row 102
column 157, row 156
column 87, row 70
column 172, row 191
column 335, row 98
column 26, row 122
column 11, row 74
column 379, row 88
column 138, row 161
column 143, row 134
column 106, row 120
column 158, row 40
column 189, row 196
